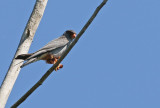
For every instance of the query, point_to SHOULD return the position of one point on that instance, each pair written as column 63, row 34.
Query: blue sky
column 116, row 63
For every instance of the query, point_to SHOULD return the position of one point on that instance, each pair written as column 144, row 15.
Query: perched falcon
column 51, row 52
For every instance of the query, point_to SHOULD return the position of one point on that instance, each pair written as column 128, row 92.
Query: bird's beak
column 73, row 36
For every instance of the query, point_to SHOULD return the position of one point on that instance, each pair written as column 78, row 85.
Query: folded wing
column 59, row 42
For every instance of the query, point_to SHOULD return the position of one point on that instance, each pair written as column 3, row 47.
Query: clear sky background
column 116, row 63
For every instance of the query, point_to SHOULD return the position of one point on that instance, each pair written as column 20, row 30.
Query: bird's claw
column 58, row 67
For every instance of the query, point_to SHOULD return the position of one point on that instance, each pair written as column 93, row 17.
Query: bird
column 51, row 52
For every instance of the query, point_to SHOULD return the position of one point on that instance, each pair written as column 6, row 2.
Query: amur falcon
column 52, row 51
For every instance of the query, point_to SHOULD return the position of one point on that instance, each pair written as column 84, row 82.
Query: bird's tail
column 29, row 61
column 23, row 56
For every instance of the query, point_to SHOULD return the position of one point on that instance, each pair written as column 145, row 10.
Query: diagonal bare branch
column 43, row 78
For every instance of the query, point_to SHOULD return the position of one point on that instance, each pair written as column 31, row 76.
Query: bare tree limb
column 43, row 78
column 23, row 48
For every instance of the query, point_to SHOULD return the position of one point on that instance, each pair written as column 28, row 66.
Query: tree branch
column 23, row 48
column 43, row 78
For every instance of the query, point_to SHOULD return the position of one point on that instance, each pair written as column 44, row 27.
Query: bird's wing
column 59, row 42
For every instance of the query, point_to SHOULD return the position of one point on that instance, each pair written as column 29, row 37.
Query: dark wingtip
column 23, row 56
column 18, row 57
column 21, row 66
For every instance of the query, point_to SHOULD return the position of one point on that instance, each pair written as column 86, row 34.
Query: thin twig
column 43, row 78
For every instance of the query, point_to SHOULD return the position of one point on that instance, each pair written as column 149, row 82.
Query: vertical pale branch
column 23, row 48
column 24, row 97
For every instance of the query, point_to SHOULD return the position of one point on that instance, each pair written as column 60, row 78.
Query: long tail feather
column 29, row 62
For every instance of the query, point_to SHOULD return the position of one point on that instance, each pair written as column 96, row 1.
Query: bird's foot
column 58, row 67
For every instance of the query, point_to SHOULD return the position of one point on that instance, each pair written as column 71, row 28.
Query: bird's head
column 70, row 33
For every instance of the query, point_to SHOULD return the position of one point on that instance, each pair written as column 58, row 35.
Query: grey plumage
column 55, row 47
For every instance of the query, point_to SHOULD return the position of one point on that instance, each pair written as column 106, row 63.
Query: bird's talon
column 56, row 69
column 60, row 66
